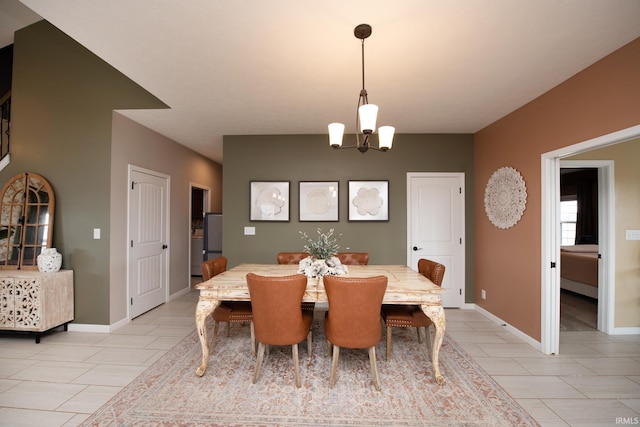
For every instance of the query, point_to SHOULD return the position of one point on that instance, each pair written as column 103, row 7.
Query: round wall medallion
column 505, row 197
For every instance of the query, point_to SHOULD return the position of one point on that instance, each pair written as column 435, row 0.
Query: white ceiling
column 251, row 67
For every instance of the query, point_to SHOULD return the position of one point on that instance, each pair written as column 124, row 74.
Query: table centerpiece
column 322, row 259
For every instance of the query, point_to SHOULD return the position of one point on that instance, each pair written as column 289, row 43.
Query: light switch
column 249, row 231
column 96, row 233
column 633, row 234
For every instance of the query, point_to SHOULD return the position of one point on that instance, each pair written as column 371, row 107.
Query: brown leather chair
column 353, row 258
column 353, row 319
column 412, row 316
column 277, row 315
column 291, row 257
column 228, row 311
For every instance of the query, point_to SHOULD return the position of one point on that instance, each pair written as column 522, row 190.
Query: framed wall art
column 318, row 201
column 505, row 197
column 368, row 200
column 269, row 201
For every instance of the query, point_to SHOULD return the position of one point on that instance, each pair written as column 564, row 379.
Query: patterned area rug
column 169, row 392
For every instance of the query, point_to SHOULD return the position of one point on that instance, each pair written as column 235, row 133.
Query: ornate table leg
column 203, row 310
column 436, row 314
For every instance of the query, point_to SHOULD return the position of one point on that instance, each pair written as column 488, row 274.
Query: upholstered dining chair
column 291, row 257
column 353, row 319
column 278, row 317
column 353, row 258
column 228, row 311
column 294, row 258
column 412, row 316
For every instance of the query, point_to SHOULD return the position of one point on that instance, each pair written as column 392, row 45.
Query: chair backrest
column 354, row 310
column 291, row 257
column 353, row 258
column 277, row 308
column 432, row 270
column 213, row 267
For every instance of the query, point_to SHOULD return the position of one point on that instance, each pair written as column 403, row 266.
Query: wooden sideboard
column 35, row 302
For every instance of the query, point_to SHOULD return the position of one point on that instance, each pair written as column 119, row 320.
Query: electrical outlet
column 249, row 231
column 483, row 294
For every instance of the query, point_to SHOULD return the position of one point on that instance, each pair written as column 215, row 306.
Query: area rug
column 169, row 393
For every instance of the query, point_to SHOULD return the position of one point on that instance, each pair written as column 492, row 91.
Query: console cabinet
column 36, row 302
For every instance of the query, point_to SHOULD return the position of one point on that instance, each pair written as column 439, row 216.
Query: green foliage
column 324, row 246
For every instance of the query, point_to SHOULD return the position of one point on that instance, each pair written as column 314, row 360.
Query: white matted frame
column 318, row 201
column 269, row 201
column 368, row 200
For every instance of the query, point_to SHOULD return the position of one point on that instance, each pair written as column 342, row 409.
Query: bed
column 579, row 269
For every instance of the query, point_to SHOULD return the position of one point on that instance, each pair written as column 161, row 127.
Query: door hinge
column 460, row 188
column 553, row 264
column 131, row 301
column 132, row 243
column 461, row 240
column 460, row 291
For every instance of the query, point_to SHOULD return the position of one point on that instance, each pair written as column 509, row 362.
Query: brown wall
column 601, row 99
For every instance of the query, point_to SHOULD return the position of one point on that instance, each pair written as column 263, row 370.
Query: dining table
column 405, row 286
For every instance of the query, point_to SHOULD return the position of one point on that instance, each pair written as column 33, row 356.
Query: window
column 568, row 215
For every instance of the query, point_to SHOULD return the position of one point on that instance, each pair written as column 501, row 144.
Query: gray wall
column 297, row 158
column 62, row 128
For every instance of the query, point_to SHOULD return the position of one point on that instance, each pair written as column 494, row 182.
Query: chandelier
column 365, row 116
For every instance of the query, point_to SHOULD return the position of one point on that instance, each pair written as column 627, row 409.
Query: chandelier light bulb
column 336, row 131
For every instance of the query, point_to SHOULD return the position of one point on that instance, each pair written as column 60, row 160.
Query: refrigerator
column 212, row 238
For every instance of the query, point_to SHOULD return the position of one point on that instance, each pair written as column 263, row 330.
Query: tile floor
column 59, row 382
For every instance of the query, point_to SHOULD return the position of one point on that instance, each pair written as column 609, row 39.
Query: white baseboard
column 626, row 331
column 80, row 327
column 517, row 332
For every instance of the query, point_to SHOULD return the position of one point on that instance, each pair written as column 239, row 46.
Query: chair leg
column 309, row 342
column 214, row 335
column 374, row 367
column 334, row 365
column 389, row 329
column 419, row 335
column 253, row 339
column 296, row 364
column 258, row 362
column 228, row 329
column 329, row 346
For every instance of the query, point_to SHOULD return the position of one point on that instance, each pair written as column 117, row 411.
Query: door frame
column 461, row 178
column 550, row 232
column 130, row 169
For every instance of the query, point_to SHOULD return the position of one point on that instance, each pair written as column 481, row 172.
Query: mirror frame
column 27, row 204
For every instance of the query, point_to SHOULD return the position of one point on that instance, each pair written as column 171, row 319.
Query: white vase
column 49, row 260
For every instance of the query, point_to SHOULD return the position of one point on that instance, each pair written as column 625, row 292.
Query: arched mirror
column 26, row 222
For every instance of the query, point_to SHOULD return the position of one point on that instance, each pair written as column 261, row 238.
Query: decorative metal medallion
column 505, row 197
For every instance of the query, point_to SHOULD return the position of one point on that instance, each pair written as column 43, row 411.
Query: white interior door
column 148, row 213
column 436, row 227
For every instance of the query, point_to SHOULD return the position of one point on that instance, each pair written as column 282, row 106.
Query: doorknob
column 415, row 248
column 164, row 246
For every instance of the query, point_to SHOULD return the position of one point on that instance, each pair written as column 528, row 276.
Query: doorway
column 198, row 205
column 550, row 246
column 579, row 235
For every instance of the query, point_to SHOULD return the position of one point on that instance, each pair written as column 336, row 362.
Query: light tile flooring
column 59, row 382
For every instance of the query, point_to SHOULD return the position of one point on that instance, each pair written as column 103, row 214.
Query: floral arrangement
column 322, row 259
